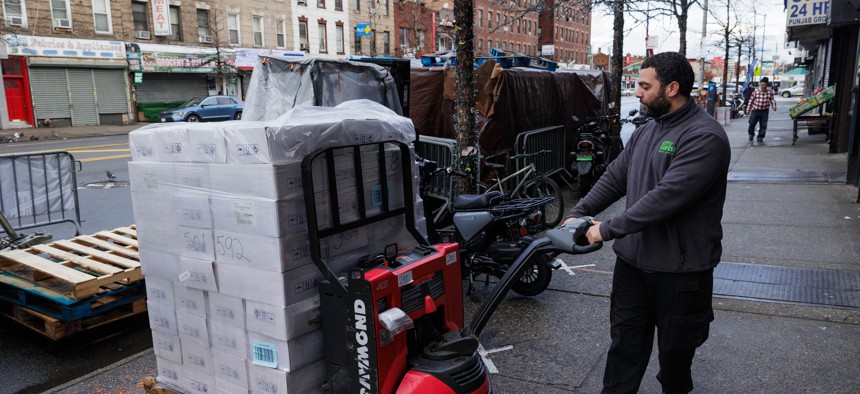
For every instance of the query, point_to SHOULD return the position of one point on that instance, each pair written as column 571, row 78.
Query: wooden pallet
column 81, row 266
column 56, row 329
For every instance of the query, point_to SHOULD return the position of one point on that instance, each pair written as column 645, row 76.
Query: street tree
column 418, row 19
column 678, row 9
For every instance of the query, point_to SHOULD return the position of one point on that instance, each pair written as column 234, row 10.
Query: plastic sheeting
column 280, row 84
column 511, row 101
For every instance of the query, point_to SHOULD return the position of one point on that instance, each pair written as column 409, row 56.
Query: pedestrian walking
column 669, row 238
column 713, row 98
column 761, row 100
column 747, row 93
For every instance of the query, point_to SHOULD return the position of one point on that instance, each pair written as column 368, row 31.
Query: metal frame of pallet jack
column 356, row 290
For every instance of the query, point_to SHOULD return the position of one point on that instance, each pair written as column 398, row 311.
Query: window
column 338, row 30
column 320, row 3
column 356, row 5
column 14, row 9
column 60, row 13
column 175, row 24
column 101, row 16
column 203, row 25
column 303, row 35
column 233, row 29
column 138, row 14
column 225, row 101
column 386, row 42
column 357, row 44
column 323, row 38
column 209, row 101
column 489, row 45
column 419, row 35
column 480, row 18
column 338, row 6
column 257, row 27
column 404, row 38
column 385, row 7
column 489, row 19
column 281, row 34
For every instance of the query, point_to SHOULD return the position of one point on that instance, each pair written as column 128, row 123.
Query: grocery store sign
column 166, row 62
column 806, row 12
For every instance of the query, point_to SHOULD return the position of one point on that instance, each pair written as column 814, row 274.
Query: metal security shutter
column 171, row 87
column 50, row 93
column 84, row 112
column 246, row 82
column 110, row 91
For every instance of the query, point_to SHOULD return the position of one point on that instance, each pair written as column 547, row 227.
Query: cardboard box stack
column 222, row 226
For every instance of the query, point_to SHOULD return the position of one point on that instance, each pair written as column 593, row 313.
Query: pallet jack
column 394, row 322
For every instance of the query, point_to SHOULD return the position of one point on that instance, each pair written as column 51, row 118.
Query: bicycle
column 528, row 184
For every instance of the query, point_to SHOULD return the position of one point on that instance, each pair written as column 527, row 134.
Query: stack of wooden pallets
column 68, row 286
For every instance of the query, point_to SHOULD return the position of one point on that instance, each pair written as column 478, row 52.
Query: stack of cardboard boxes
column 222, row 227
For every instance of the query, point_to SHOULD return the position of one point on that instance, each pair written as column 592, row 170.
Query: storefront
column 66, row 82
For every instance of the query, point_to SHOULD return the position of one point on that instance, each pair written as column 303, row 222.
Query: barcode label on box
column 264, row 354
column 244, row 213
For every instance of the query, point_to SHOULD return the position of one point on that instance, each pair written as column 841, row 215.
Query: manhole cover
column 787, row 177
column 106, row 184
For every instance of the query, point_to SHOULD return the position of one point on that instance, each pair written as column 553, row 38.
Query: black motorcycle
column 737, row 108
column 595, row 149
column 492, row 232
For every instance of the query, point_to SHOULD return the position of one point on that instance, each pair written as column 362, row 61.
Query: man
column 760, row 100
column 747, row 93
column 668, row 239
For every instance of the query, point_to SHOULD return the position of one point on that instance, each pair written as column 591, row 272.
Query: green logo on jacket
column 668, row 147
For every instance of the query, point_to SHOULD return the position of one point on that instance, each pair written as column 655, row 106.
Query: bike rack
column 39, row 189
column 442, row 151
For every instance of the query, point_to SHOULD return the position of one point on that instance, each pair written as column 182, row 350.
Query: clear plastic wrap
column 280, row 84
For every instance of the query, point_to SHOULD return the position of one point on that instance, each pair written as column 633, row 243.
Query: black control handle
column 571, row 236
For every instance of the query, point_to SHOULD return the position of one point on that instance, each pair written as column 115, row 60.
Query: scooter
column 595, row 149
column 737, row 108
column 492, row 231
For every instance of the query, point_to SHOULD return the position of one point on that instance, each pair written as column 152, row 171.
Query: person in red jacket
column 668, row 239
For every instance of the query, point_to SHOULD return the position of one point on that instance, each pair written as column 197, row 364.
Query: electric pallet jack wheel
column 536, row 277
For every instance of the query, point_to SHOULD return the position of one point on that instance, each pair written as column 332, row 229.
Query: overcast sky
column 770, row 14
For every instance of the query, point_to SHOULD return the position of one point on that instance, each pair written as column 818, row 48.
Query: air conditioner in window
column 142, row 35
column 15, row 21
column 303, row 2
column 304, row 46
column 63, row 23
column 206, row 39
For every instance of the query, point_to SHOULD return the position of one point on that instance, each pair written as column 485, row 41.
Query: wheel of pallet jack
column 536, row 277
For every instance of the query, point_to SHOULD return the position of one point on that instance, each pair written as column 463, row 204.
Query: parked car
column 201, row 109
column 628, row 92
column 796, row 90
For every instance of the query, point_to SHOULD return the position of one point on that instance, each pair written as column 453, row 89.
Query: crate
column 57, row 329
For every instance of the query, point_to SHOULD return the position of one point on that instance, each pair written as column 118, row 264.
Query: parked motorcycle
column 595, row 149
column 492, row 232
column 737, row 108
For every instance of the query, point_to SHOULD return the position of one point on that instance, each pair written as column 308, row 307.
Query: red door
column 17, row 89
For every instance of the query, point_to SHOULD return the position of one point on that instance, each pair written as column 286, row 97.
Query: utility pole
column 763, row 27
column 647, row 28
column 702, row 44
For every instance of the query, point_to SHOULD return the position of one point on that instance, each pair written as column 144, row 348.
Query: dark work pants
column 678, row 305
column 759, row 116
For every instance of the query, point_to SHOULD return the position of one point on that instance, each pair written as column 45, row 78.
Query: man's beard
column 659, row 106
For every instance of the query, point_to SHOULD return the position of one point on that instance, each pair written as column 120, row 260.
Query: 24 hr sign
column 807, row 12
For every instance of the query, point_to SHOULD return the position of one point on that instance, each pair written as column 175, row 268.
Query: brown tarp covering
column 514, row 100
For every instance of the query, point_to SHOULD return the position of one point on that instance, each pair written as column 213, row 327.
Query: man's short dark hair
column 765, row 80
column 672, row 67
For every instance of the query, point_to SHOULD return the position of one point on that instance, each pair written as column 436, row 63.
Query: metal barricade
column 39, row 189
column 551, row 138
column 442, row 151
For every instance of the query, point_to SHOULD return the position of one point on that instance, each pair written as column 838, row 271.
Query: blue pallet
column 51, row 303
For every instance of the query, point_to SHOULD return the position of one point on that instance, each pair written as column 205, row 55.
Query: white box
column 283, row 323
column 159, row 291
column 158, row 265
column 267, row 181
column 229, row 339
column 152, row 177
column 192, row 329
column 198, row 274
column 162, row 317
column 171, row 143
column 192, row 210
column 153, row 207
column 308, row 379
column 195, row 243
column 251, row 143
column 167, row 346
column 226, row 309
column 345, row 242
column 198, row 383
column 159, row 237
column 196, row 358
column 168, row 371
column 285, row 355
column 206, row 142
column 222, row 387
column 236, row 213
column 230, row 369
column 262, row 252
column 192, row 176
column 279, row 289
column 189, row 300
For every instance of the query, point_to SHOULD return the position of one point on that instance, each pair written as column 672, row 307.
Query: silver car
column 796, row 90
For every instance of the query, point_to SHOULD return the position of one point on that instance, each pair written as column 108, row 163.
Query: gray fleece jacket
column 673, row 171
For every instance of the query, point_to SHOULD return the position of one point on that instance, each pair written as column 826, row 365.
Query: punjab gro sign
column 161, row 17
column 807, row 12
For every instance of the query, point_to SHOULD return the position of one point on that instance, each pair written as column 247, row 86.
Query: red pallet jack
column 394, row 322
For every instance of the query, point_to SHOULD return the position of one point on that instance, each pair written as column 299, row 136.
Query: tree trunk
column 682, row 29
column 464, row 98
column 617, row 52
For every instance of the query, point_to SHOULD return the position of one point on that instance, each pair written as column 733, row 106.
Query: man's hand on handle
column 593, row 233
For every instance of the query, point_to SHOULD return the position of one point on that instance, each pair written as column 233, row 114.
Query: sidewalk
column 55, row 133
column 788, row 322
